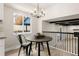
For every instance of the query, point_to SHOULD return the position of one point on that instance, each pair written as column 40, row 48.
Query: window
column 22, row 24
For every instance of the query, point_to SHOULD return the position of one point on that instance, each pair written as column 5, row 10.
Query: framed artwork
column 22, row 24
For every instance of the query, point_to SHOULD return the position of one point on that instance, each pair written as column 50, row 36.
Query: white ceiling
column 29, row 6
column 42, row 5
column 33, row 5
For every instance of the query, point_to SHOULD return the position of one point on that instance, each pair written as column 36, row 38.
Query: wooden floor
column 54, row 52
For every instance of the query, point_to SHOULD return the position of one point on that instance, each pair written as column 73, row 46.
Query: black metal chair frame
column 26, row 46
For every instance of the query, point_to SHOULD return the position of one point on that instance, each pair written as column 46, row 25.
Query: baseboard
column 11, row 48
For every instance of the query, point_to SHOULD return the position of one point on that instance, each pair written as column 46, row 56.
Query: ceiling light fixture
column 38, row 12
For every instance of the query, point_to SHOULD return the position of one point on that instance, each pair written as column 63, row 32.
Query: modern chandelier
column 38, row 12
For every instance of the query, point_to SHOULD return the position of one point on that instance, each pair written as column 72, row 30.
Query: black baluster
column 78, row 46
column 72, row 43
column 67, row 42
column 55, row 40
column 75, row 45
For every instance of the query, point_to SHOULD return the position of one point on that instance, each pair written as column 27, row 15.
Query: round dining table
column 45, row 39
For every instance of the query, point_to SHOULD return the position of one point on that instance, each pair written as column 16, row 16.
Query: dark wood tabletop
column 45, row 39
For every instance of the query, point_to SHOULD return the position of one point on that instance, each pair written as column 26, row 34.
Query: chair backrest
column 20, row 39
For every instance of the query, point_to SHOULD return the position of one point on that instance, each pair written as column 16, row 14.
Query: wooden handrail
column 57, row 32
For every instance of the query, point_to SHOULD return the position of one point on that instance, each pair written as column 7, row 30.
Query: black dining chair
column 26, row 46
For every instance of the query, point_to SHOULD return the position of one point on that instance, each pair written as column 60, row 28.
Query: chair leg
column 24, row 49
column 27, row 51
column 30, row 49
column 36, row 45
column 42, row 45
column 19, row 51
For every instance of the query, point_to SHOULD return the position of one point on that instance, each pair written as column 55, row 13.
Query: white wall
column 53, row 27
column 70, row 28
column 12, row 42
column 2, row 41
column 1, row 16
column 1, row 11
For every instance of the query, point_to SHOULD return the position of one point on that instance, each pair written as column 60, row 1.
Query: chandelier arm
column 38, row 12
